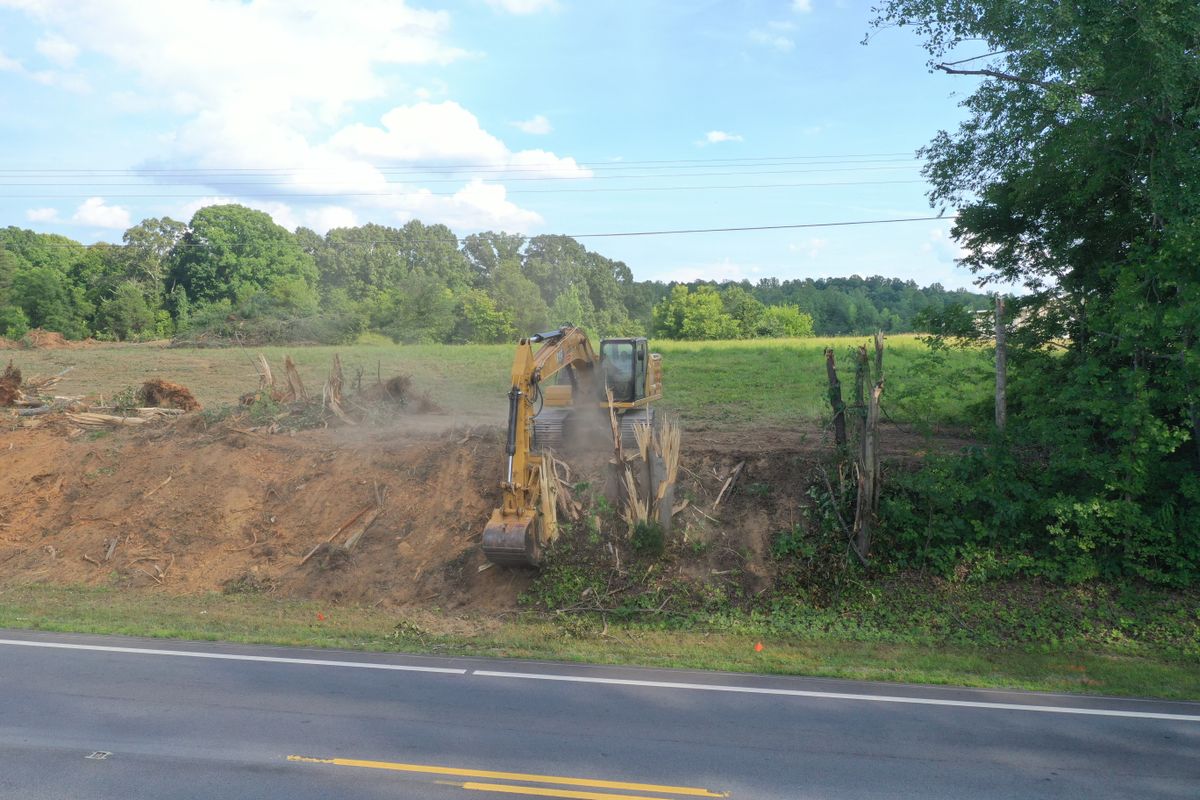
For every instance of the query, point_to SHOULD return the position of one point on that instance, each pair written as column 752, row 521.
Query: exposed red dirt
column 187, row 509
column 38, row 339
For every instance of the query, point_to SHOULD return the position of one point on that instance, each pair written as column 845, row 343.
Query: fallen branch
column 156, row 488
column 733, row 476
column 335, row 534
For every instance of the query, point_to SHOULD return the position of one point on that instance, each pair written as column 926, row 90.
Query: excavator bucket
column 512, row 539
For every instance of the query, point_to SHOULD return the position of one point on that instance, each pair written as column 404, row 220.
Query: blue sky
column 538, row 116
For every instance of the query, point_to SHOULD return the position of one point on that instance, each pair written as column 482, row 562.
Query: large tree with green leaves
column 1077, row 174
column 232, row 252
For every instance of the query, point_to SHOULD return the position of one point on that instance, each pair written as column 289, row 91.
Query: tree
column 742, row 306
column 49, row 301
column 232, row 251
column 147, row 246
column 126, row 314
column 480, row 322
column 485, row 252
column 1076, row 174
column 419, row 310
column 519, row 297
column 783, row 321
column 694, row 315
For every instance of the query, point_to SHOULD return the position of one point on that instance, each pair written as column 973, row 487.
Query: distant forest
column 232, row 271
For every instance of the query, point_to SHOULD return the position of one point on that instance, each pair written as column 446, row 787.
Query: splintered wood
column 357, row 525
column 733, row 476
column 332, row 394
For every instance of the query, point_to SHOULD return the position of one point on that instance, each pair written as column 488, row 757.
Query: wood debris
column 733, row 476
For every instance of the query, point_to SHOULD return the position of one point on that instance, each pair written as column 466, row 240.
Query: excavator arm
column 525, row 522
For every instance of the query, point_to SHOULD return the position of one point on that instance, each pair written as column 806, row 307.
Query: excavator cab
column 623, row 368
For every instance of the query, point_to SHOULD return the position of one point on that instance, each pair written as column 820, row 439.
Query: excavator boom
column 525, row 522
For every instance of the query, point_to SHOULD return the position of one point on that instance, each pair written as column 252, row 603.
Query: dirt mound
column 7, row 344
column 157, row 393
column 38, row 339
column 10, row 386
column 357, row 514
column 189, row 510
column 393, row 390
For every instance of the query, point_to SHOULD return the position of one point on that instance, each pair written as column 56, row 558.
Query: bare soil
column 187, row 508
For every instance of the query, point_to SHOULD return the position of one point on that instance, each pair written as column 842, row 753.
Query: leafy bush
column 648, row 539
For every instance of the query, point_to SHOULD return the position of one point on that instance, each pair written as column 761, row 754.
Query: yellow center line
column 426, row 769
column 536, row 791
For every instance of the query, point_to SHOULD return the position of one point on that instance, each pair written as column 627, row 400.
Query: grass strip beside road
column 261, row 619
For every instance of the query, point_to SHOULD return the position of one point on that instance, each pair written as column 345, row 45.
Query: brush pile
column 355, row 402
column 29, row 396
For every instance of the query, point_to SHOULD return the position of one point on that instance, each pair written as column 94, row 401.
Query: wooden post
column 866, row 508
column 835, row 399
column 1001, row 366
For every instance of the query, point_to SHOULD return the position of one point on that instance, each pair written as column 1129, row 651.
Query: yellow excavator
column 554, row 391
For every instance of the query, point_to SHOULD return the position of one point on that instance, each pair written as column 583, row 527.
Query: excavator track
column 630, row 419
column 551, row 428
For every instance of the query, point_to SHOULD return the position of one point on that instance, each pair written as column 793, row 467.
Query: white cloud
column 523, row 6
column 94, row 213
column 772, row 39
column 477, row 205
column 538, row 125
column 811, row 248
column 716, row 137
column 289, row 58
column 444, row 134
column 42, row 215
column 58, row 50
column 269, row 83
column 9, row 64
column 724, row 270
column 321, row 219
column 802, row 6
column 326, row 218
column 942, row 247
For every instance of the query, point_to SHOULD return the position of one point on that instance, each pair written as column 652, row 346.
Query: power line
column 513, row 169
column 737, row 173
column 416, row 240
column 463, row 166
column 758, row 227
column 590, row 189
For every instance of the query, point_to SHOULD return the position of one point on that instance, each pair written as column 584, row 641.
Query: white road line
column 706, row 687
column 875, row 698
column 315, row 662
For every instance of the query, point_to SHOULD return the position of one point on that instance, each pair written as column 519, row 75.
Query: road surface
column 109, row 717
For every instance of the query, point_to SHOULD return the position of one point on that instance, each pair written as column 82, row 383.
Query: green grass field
column 737, row 384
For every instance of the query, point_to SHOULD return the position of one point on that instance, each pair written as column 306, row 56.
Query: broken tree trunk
column 835, row 399
column 867, row 465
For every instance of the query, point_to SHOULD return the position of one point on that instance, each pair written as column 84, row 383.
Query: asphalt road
column 107, row 717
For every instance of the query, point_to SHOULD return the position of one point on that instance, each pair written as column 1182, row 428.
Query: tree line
column 1075, row 174
column 231, row 269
